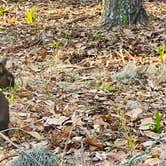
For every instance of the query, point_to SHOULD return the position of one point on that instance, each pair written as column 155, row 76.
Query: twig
column 7, row 139
column 66, row 143
column 4, row 2
column 17, row 146
column 8, row 157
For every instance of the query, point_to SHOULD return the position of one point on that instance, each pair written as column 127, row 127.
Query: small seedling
column 160, row 51
column 3, row 11
column 154, row 18
column 12, row 96
column 127, row 131
column 108, row 88
column 131, row 142
column 157, row 123
column 54, row 45
column 125, row 21
column 96, row 36
column 30, row 16
column 65, row 36
column 71, row 78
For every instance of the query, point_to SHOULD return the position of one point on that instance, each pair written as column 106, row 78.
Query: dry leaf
column 55, row 121
column 99, row 120
column 151, row 162
column 35, row 135
column 134, row 114
column 151, row 134
column 163, row 152
column 25, row 94
column 93, row 142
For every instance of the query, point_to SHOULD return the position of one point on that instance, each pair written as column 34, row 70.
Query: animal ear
column 3, row 61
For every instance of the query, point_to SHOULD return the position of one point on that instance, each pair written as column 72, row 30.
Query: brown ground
column 71, row 95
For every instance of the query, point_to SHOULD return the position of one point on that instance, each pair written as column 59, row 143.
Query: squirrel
column 6, row 80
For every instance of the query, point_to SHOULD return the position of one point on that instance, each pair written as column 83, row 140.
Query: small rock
column 77, row 139
column 132, row 105
column 128, row 72
column 148, row 143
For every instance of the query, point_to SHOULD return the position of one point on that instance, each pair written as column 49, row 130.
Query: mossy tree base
column 122, row 12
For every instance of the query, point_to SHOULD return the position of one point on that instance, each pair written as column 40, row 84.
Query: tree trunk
column 123, row 12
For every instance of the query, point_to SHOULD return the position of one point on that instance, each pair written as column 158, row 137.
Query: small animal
column 6, row 80
column 4, row 112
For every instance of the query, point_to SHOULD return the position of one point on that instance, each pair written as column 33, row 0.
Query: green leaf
column 54, row 45
column 157, row 122
column 65, row 36
column 160, row 50
column 105, row 87
column 109, row 88
column 3, row 11
column 30, row 16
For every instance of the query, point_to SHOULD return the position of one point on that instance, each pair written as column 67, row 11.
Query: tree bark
column 123, row 12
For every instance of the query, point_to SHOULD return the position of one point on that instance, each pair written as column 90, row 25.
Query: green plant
column 3, row 11
column 71, row 78
column 96, row 36
column 125, row 21
column 30, row 16
column 157, row 123
column 154, row 18
column 12, row 96
column 160, row 50
column 108, row 88
column 126, row 131
column 65, row 36
column 54, row 45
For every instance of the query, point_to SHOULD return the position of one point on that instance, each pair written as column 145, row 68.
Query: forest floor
column 92, row 96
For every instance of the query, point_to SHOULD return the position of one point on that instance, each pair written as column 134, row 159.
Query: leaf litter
column 90, row 92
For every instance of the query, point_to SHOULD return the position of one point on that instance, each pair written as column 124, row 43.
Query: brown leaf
column 151, row 134
column 155, row 152
column 151, row 162
column 116, row 157
column 25, row 94
column 93, row 142
column 41, row 55
column 35, row 135
column 134, row 114
column 163, row 152
column 99, row 120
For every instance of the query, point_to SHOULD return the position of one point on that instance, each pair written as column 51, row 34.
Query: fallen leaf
column 151, row 162
column 134, row 114
column 120, row 142
column 151, row 134
column 93, row 142
column 100, row 120
column 163, row 152
column 25, row 94
column 35, row 135
column 55, row 121
column 155, row 152
column 116, row 157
